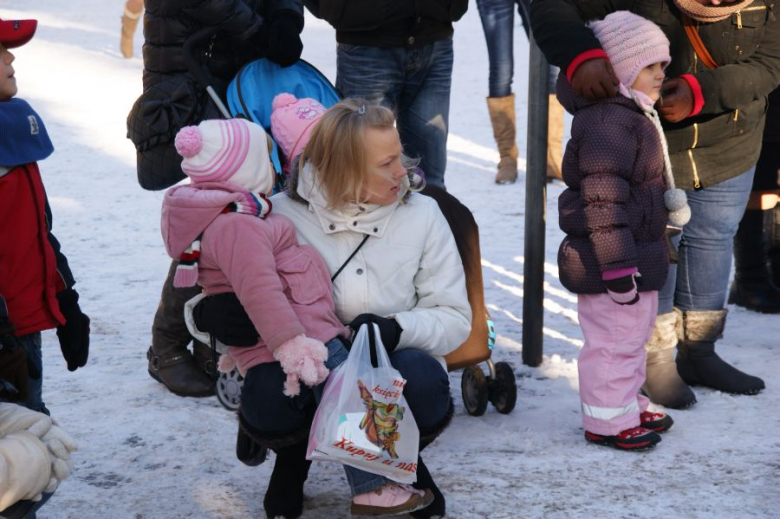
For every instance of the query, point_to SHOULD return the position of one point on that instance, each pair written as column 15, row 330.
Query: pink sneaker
column 391, row 499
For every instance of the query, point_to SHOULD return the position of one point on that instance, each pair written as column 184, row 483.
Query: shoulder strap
column 350, row 258
column 698, row 45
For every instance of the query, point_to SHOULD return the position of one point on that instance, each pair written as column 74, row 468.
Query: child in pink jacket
column 227, row 239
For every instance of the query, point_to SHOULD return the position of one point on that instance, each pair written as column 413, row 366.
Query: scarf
column 23, row 137
column 710, row 13
column 253, row 204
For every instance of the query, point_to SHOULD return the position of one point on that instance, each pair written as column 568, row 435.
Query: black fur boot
column 697, row 362
column 751, row 287
column 284, row 496
column 424, row 479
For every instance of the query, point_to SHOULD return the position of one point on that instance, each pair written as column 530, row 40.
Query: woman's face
column 385, row 171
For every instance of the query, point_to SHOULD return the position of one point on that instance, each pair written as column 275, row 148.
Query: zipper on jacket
column 739, row 20
column 696, row 180
column 736, row 115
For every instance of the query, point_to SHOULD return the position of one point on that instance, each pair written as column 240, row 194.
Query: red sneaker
column 636, row 439
column 657, row 422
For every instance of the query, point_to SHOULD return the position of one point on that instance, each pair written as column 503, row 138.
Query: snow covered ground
column 146, row 453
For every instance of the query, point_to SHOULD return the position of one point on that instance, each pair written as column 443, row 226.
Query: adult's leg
column 427, row 392
column 424, row 107
column 169, row 360
column 702, row 282
column 133, row 11
column 32, row 346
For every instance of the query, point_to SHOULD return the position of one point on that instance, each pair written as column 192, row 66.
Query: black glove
column 74, row 334
column 223, row 316
column 623, row 290
column 389, row 329
column 284, row 45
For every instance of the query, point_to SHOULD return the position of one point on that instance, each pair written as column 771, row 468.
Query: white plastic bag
column 363, row 419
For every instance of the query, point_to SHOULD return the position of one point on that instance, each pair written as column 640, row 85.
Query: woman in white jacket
column 398, row 266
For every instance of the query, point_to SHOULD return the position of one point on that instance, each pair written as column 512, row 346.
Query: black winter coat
column 724, row 139
column 389, row 23
column 172, row 98
column 613, row 210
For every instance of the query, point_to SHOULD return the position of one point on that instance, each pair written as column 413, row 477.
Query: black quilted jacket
column 172, row 98
column 613, row 210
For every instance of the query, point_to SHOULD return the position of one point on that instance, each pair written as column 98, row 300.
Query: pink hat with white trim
column 292, row 121
column 232, row 150
column 632, row 43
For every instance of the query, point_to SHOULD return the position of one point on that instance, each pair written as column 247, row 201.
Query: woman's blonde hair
column 337, row 151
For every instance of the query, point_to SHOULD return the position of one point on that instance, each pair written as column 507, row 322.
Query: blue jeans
column 700, row 279
column 498, row 23
column 266, row 408
column 32, row 345
column 415, row 84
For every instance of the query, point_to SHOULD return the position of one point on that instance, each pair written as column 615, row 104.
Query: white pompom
column 681, row 216
column 675, row 199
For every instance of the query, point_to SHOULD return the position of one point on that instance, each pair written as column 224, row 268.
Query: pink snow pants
column 612, row 362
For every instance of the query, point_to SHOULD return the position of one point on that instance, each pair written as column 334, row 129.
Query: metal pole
column 535, row 206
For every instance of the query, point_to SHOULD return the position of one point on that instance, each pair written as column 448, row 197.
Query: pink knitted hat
column 632, row 43
column 234, row 150
column 292, row 121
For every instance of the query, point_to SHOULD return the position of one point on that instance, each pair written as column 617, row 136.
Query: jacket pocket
column 300, row 279
column 747, row 30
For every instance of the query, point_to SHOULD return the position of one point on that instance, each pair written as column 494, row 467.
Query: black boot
column 774, row 247
column 284, row 496
column 663, row 384
column 424, row 479
column 170, row 362
column 751, row 287
column 697, row 362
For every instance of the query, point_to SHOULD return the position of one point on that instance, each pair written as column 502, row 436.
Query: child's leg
column 32, row 345
column 612, row 361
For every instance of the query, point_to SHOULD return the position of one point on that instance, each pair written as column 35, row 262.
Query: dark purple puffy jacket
column 613, row 211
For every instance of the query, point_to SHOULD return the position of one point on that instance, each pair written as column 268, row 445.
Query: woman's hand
column 389, row 329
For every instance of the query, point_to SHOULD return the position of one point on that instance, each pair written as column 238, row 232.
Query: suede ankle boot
column 752, row 288
column 697, row 362
column 554, row 138
column 502, row 118
column 663, row 384
column 129, row 24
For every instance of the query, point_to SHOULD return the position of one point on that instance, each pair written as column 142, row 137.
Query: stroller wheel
column 474, row 387
column 503, row 388
column 229, row 389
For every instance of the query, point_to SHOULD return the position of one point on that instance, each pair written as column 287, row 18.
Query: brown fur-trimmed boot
column 502, row 118
column 663, row 384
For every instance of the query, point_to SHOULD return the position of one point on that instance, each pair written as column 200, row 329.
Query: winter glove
column 676, row 101
column 284, row 40
column 302, row 359
column 35, row 453
column 74, row 334
column 595, row 79
column 623, row 290
column 389, row 329
column 223, row 316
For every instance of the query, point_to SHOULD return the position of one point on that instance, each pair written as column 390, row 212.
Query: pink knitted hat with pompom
column 292, row 121
column 632, row 43
column 234, row 150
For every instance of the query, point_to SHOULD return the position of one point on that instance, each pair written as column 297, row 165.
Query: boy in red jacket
column 36, row 284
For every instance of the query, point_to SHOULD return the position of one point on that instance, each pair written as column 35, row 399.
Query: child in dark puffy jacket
column 36, row 284
column 619, row 199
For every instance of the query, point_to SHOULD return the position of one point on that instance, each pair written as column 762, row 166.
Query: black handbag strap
column 350, row 258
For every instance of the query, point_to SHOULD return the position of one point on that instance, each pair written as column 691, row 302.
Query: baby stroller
column 250, row 96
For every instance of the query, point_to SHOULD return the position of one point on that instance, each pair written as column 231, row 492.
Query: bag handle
column 347, row 261
column 698, row 45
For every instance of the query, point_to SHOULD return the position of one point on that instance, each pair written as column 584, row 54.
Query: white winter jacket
column 34, row 454
column 409, row 268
